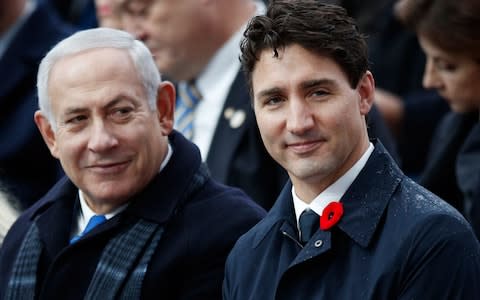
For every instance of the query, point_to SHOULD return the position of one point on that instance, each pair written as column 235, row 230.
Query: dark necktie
column 92, row 223
column 309, row 223
column 187, row 100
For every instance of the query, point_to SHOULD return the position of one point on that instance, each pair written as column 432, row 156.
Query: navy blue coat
column 189, row 260
column 27, row 169
column 395, row 240
column 468, row 176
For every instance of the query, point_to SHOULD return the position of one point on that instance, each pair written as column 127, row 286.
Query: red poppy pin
column 331, row 215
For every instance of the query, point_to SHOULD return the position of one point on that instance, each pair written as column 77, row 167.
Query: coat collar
column 368, row 197
column 166, row 193
column 364, row 202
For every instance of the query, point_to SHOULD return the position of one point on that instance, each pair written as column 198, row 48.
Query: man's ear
column 366, row 90
column 166, row 106
column 47, row 132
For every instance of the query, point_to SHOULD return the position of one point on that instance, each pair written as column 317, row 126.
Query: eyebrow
column 269, row 92
column 74, row 111
column 304, row 85
column 117, row 99
column 318, row 82
column 77, row 110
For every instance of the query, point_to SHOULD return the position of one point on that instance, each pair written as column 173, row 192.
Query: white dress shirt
column 335, row 191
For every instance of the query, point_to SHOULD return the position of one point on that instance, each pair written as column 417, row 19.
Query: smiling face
column 455, row 76
column 311, row 121
column 108, row 140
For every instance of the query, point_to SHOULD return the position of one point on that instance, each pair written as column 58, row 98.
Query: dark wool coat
column 189, row 260
column 395, row 240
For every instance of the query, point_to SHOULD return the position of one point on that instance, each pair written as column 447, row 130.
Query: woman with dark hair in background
column 448, row 34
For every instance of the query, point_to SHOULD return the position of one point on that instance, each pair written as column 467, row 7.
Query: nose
column 101, row 138
column 300, row 118
column 430, row 76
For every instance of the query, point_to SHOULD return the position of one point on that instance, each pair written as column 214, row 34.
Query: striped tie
column 187, row 100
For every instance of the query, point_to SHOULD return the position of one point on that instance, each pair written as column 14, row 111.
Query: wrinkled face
column 108, row 140
column 310, row 119
column 173, row 30
column 455, row 76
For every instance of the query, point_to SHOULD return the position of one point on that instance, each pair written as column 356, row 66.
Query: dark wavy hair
column 453, row 25
column 324, row 29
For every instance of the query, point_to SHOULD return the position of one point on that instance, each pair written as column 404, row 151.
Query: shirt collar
column 335, row 191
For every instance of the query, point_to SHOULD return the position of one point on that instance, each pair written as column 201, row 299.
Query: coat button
column 318, row 243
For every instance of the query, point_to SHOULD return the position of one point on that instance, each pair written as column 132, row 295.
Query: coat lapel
column 368, row 197
column 54, row 213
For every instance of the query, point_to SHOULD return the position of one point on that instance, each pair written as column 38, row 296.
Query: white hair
column 98, row 38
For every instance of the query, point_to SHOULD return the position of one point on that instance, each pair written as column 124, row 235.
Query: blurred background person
column 448, row 33
column 196, row 44
column 28, row 29
column 411, row 112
